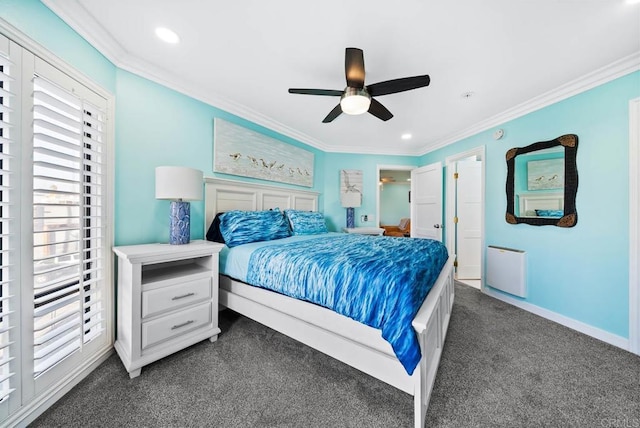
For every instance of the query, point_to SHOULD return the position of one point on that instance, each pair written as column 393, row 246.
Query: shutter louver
column 7, row 231
column 67, row 220
column 55, row 231
column 93, row 226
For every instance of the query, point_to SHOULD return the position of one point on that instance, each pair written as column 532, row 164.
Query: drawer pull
column 182, row 325
column 183, row 296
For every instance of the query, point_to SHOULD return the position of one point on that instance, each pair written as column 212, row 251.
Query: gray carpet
column 501, row 367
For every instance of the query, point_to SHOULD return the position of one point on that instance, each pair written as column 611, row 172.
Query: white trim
column 634, row 230
column 581, row 327
column 223, row 195
column 390, row 168
column 34, row 408
column 605, row 74
column 23, row 40
column 79, row 19
column 90, row 29
column 480, row 152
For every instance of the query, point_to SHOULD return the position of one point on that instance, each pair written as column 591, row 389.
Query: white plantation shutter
column 8, row 231
column 94, row 218
column 68, row 230
column 55, row 236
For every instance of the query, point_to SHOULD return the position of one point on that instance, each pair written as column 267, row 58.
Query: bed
column 336, row 335
column 541, row 204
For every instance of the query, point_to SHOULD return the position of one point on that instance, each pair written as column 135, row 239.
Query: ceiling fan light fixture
column 355, row 101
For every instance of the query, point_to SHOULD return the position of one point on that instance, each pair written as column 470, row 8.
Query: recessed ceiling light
column 167, row 35
column 406, row 136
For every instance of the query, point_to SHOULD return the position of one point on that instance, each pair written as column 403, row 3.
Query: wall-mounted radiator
column 507, row 270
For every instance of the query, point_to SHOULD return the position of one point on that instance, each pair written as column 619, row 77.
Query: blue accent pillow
column 306, row 222
column 549, row 213
column 242, row 227
column 213, row 234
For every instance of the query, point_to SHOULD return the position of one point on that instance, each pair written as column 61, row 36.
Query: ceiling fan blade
column 337, row 111
column 329, row 92
column 379, row 111
column 354, row 67
column 398, row 85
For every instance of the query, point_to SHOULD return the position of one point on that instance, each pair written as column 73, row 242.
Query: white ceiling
column 242, row 56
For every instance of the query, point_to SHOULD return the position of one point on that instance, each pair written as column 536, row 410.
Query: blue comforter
column 378, row 281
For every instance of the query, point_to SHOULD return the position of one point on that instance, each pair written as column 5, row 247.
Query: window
column 7, row 277
column 68, row 162
column 55, row 240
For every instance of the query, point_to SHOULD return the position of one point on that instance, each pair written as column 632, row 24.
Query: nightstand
column 167, row 300
column 364, row 230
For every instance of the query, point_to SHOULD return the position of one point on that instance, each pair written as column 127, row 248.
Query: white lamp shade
column 355, row 104
column 351, row 199
column 178, row 183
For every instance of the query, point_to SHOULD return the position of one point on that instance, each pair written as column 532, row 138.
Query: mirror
column 542, row 182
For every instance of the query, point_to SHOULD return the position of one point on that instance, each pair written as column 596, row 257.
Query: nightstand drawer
column 168, row 298
column 176, row 324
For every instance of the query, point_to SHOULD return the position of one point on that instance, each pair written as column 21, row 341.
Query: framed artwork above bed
column 241, row 151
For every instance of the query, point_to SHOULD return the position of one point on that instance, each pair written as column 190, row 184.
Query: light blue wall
column 580, row 272
column 394, row 203
column 39, row 23
column 154, row 126
column 158, row 126
column 334, row 162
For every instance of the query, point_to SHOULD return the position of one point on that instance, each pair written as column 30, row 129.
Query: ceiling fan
column 357, row 98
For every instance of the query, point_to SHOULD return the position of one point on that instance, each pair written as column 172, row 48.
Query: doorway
column 465, row 213
column 393, row 199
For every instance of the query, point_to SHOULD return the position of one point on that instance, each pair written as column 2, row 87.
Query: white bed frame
column 530, row 202
column 349, row 341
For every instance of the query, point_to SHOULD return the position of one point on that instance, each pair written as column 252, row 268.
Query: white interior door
column 469, row 214
column 426, row 202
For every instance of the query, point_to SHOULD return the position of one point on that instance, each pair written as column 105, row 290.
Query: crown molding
column 76, row 16
column 605, row 74
column 80, row 20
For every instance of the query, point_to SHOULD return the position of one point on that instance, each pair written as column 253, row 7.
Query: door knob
column 437, row 226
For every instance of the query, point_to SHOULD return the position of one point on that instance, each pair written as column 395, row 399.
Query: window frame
column 33, row 396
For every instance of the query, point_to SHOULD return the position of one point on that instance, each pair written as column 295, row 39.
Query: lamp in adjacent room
column 179, row 185
column 351, row 200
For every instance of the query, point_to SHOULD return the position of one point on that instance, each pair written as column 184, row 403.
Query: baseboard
column 29, row 412
column 605, row 336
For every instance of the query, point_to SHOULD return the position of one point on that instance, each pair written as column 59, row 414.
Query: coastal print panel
column 241, row 151
column 545, row 174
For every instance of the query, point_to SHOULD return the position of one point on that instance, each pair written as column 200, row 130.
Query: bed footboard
column 431, row 323
column 324, row 330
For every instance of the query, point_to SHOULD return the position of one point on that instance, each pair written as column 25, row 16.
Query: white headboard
column 225, row 195
column 530, row 202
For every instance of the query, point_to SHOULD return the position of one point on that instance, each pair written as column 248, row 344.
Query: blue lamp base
column 179, row 232
column 351, row 217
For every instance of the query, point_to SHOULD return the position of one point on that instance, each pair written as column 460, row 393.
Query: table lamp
column 179, row 185
column 349, row 200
